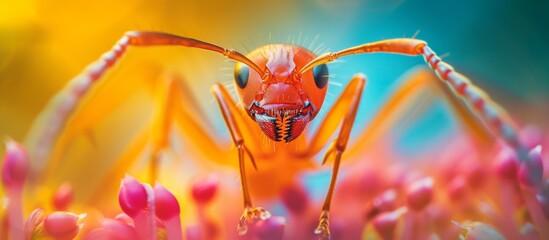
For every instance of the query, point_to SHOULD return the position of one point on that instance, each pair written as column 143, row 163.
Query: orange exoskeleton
column 286, row 101
column 282, row 87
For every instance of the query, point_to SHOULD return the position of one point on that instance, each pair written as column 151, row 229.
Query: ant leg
column 176, row 110
column 344, row 111
column 330, row 123
column 164, row 95
column 64, row 105
column 492, row 115
column 190, row 120
column 230, row 113
column 413, row 89
column 175, row 105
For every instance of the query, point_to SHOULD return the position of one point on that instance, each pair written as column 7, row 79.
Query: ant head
column 281, row 100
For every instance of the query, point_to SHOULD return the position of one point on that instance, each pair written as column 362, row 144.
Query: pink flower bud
column 385, row 223
column 132, row 196
column 531, row 170
column 386, row 201
column 113, row 230
column 62, row 198
column 507, row 164
column 62, row 225
column 124, row 218
column 270, row 229
column 295, row 199
column 420, row 193
column 383, row 203
column 15, row 166
column 165, row 203
column 457, row 188
column 204, row 190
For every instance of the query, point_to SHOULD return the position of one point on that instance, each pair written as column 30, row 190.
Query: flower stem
column 142, row 226
column 173, row 228
column 15, row 213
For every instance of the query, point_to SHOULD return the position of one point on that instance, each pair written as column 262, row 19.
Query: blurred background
column 500, row 44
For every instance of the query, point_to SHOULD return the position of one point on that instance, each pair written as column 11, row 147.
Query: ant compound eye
column 320, row 74
column 241, row 74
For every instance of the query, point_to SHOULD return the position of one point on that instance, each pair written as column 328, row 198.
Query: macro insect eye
column 241, row 74
column 320, row 74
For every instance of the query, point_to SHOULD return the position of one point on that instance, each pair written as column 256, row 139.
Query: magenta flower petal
column 204, row 190
column 62, row 225
column 507, row 164
column 167, row 210
column 387, row 200
column 15, row 166
column 295, row 199
column 132, row 196
column 166, row 205
column 270, row 229
column 420, row 193
column 383, row 203
column 124, row 218
column 385, row 223
column 63, row 197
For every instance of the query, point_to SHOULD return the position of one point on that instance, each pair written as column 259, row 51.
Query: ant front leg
column 230, row 113
column 419, row 85
column 343, row 112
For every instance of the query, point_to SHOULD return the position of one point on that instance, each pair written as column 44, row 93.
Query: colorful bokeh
column 500, row 45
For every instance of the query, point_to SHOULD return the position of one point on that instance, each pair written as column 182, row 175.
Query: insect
column 281, row 89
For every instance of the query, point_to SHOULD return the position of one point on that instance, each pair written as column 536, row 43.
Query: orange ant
column 282, row 87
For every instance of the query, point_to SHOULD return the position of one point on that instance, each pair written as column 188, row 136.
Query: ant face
column 284, row 101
